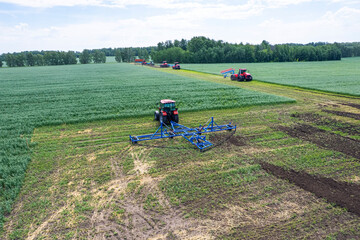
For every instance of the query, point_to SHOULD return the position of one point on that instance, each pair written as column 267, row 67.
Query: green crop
column 37, row 96
column 330, row 76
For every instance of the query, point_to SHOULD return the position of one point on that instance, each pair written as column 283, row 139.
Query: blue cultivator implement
column 193, row 135
column 227, row 71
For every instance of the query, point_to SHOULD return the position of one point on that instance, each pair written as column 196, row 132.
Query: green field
column 38, row 96
column 86, row 180
column 331, row 76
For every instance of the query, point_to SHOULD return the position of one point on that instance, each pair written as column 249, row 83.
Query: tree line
column 205, row 50
column 350, row 49
column 50, row 58
column 195, row 50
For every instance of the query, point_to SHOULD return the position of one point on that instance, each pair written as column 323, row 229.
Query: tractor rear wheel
column 163, row 119
column 176, row 118
column 156, row 116
column 233, row 78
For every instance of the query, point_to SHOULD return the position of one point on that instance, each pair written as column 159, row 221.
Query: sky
column 64, row 25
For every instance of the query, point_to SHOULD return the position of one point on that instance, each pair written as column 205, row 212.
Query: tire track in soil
column 136, row 223
column 323, row 139
column 344, row 194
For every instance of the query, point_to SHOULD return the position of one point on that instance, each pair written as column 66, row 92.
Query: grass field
column 86, row 181
column 291, row 171
column 332, row 76
column 37, row 96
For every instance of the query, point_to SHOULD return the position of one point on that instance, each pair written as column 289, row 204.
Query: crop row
column 37, row 96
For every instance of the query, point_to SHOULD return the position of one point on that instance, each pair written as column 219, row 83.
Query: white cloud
column 52, row 3
column 183, row 19
column 340, row 26
column 346, row 1
column 182, row 23
column 282, row 3
column 167, row 4
column 22, row 26
column 128, row 32
column 344, row 15
column 160, row 4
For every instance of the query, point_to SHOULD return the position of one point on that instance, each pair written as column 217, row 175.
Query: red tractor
column 241, row 76
column 176, row 66
column 167, row 112
column 164, row 65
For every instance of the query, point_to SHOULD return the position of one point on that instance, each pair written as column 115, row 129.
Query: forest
column 205, row 50
column 196, row 50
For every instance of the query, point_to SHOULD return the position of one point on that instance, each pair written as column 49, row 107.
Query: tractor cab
column 167, row 105
column 167, row 112
column 242, row 70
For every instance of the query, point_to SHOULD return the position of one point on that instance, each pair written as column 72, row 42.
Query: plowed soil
column 344, row 114
column 325, row 121
column 343, row 194
column 324, row 139
column 354, row 105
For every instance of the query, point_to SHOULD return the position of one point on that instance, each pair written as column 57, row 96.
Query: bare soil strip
column 335, row 124
column 344, row 194
column 324, row 139
column 354, row 105
column 343, row 114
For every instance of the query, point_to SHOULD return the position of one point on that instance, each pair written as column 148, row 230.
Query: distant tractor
column 144, row 63
column 176, row 66
column 164, row 65
column 167, row 112
column 241, row 76
column 139, row 61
